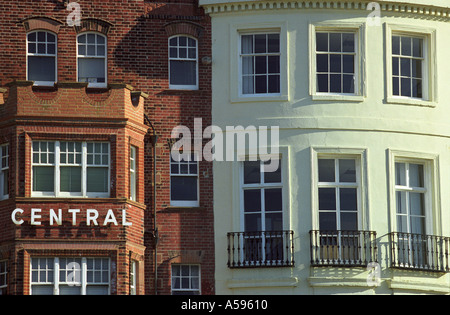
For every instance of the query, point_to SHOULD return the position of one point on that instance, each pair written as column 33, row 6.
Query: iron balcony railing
column 420, row 252
column 343, row 248
column 260, row 249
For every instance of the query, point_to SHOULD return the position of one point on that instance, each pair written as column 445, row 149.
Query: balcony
column 420, row 252
column 260, row 249
column 343, row 248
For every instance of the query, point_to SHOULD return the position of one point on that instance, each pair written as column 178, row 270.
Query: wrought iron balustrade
column 420, row 252
column 343, row 248
column 260, row 249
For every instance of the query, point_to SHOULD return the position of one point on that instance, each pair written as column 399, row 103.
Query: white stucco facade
column 387, row 137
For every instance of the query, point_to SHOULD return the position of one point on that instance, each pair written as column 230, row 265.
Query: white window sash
column 86, row 56
column 55, row 56
column 181, row 86
column 57, row 174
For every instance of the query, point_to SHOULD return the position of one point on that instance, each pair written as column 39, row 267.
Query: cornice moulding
column 215, row 7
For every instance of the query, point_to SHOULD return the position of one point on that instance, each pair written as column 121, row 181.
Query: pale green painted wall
column 372, row 125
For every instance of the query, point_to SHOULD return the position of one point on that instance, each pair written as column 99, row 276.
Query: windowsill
column 69, row 199
column 337, row 97
column 251, row 98
column 409, row 101
column 183, row 88
column 184, row 208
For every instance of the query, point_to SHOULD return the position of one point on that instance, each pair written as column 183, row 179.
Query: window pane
column 405, row 43
column 70, row 179
column 322, row 63
column 273, row 199
column 322, row 83
column 348, row 199
column 327, row 199
column 5, row 182
column 252, row 200
column 183, row 72
column 41, row 68
column 261, row 84
column 335, row 63
column 274, row 222
column 335, row 42
column 349, row 221
column 252, row 222
column 183, row 188
column 43, row 178
column 97, row 290
column 348, row 63
column 416, row 175
column 272, row 177
column 327, row 221
column 395, row 45
column 348, row 42
column 348, row 84
column 97, row 179
column 91, row 70
column 247, row 44
column 417, row 204
column 335, row 83
column 347, row 171
column 260, row 64
column 400, row 174
column 401, row 202
column 260, row 43
column 417, row 47
column 273, row 43
column 326, row 170
column 252, row 172
column 322, row 41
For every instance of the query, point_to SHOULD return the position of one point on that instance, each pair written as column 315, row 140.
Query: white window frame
column 4, row 171
column 430, row 162
column 359, row 30
column 133, row 277
column 236, row 30
column 80, row 280
column 261, row 186
column 429, row 67
column 84, row 166
column 358, row 154
column 407, row 189
column 180, row 86
column 254, row 54
column 86, row 56
column 55, row 55
column 187, row 203
column 4, row 274
column 337, row 185
column 133, row 173
column 190, row 277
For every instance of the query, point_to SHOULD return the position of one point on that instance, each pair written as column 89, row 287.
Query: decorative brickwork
column 137, row 70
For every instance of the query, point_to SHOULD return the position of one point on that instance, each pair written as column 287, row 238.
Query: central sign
column 56, row 217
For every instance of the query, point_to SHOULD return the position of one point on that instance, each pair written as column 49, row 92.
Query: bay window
column 70, row 276
column 4, row 172
column 70, row 169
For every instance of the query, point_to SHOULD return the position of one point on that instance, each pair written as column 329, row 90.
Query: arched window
column 41, row 57
column 183, row 62
column 91, row 56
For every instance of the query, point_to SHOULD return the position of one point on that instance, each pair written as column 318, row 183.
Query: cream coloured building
column 361, row 200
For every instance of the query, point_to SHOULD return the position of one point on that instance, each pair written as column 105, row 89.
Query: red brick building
column 90, row 200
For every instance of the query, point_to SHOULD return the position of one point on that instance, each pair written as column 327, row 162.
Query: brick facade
column 137, row 75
